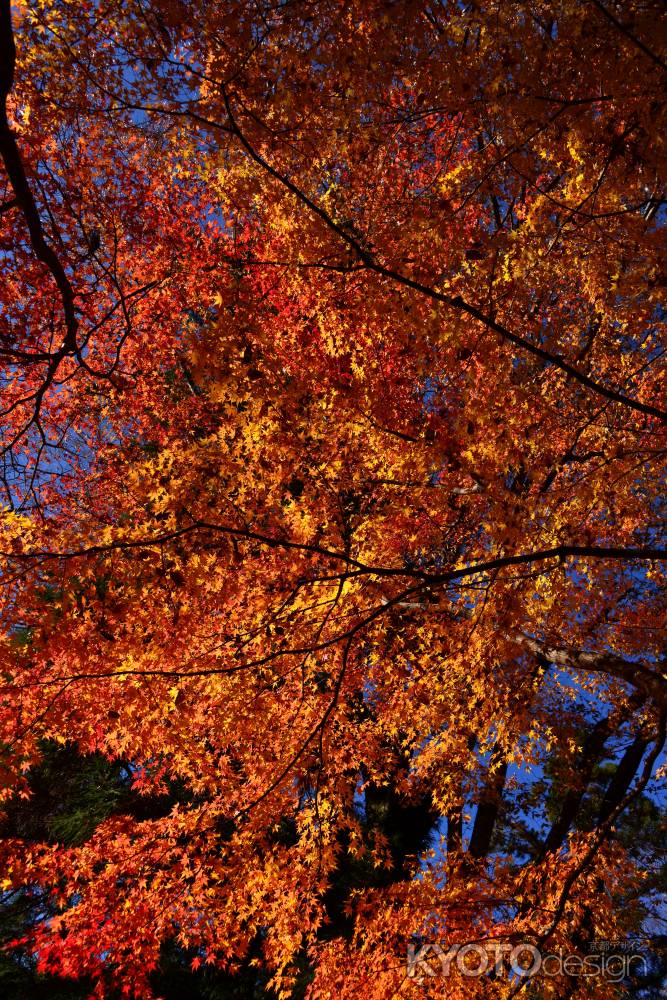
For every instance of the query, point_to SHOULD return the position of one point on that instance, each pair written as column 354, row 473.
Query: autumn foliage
column 332, row 348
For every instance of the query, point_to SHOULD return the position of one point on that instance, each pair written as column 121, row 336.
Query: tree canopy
column 333, row 474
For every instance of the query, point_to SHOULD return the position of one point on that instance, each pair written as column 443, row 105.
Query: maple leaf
column 333, row 446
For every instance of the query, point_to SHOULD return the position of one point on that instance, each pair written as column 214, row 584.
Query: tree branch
column 628, row 34
column 454, row 302
column 639, row 675
column 16, row 172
